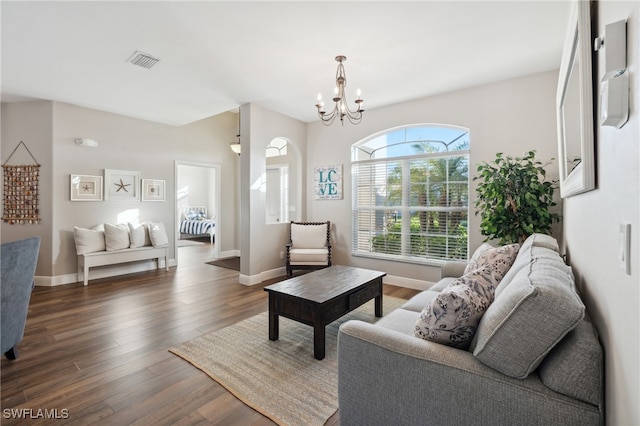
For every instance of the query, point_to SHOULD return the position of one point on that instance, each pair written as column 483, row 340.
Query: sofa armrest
column 453, row 268
column 387, row 377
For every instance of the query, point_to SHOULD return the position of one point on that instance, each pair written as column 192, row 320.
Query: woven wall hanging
column 20, row 202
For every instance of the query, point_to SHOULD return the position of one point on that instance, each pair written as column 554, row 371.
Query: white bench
column 103, row 258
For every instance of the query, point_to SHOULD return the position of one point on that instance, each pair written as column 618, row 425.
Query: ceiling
column 216, row 55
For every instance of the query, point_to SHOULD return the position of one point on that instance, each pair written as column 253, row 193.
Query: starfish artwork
column 122, row 186
column 87, row 188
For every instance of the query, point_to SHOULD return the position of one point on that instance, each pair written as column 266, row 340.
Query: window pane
column 415, row 207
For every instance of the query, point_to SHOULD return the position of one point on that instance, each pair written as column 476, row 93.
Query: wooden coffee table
column 321, row 297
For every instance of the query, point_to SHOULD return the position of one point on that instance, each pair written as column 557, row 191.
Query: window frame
column 405, row 208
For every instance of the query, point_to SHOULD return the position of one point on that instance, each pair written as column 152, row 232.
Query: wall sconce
column 90, row 143
column 235, row 147
column 614, row 94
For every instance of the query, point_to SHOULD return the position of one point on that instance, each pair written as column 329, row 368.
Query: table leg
column 318, row 340
column 379, row 301
column 274, row 319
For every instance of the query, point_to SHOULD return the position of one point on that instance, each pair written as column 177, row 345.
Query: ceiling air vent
column 143, row 60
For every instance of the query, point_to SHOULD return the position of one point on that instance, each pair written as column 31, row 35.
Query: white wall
column 512, row 116
column 261, row 243
column 591, row 235
column 32, row 123
column 124, row 143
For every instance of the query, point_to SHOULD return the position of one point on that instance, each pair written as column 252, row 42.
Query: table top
column 325, row 284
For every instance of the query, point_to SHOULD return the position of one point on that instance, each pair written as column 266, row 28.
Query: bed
column 195, row 223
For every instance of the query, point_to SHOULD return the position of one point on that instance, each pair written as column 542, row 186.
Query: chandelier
column 341, row 108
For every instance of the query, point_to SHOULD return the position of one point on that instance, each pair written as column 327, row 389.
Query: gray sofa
column 18, row 267
column 535, row 358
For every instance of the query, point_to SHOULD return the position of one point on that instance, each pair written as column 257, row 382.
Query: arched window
column 411, row 194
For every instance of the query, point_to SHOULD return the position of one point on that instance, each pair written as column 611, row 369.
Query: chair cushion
column 530, row 316
column 309, row 255
column 308, row 236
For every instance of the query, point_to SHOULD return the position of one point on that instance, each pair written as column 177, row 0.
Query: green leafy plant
column 514, row 198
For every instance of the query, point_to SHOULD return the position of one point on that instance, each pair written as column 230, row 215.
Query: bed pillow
column 116, row 237
column 158, row 235
column 89, row 240
column 195, row 215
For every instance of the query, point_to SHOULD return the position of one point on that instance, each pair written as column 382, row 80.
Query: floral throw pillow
column 452, row 317
column 499, row 259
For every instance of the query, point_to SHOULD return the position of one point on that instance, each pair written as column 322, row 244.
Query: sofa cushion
column 308, row 236
column 420, row 300
column 536, row 245
column 116, row 237
column 452, row 316
column 531, row 315
column 499, row 258
column 574, row 366
column 89, row 240
column 401, row 320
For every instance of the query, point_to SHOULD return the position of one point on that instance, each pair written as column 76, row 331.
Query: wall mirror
column 574, row 104
column 282, row 174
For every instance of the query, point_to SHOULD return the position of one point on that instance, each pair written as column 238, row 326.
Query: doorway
column 197, row 185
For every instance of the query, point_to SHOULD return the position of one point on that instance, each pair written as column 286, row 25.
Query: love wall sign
column 328, row 182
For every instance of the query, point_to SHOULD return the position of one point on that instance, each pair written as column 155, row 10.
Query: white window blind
column 413, row 207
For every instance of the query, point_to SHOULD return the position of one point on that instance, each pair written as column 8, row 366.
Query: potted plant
column 514, row 198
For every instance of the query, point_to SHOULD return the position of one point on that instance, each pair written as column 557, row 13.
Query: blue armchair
column 18, row 267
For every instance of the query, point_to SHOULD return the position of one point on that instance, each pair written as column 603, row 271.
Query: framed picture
column 121, row 185
column 327, row 182
column 86, row 188
column 152, row 190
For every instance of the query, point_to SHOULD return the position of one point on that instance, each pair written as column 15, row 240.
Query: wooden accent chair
column 309, row 246
column 18, row 267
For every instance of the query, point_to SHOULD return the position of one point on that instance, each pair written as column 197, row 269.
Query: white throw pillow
column 116, row 237
column 139, row 235
column 158, row 235
column 89, row 240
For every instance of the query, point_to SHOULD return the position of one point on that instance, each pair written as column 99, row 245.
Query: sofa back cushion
column 528, row 317
column 574, row 366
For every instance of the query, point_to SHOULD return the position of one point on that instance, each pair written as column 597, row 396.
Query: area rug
column 188, row 243
column 281, row 380
column 229, row 263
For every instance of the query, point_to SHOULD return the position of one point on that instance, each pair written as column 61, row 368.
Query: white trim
column 407, row 282
column 105, row 272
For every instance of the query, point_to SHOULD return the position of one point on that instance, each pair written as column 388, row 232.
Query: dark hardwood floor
column 98, row 354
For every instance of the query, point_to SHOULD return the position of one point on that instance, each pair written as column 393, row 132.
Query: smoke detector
column 143, row 60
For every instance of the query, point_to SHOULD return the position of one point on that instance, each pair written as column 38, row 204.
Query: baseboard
column 228, row 253
column 101, row 272
column 407, row 282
